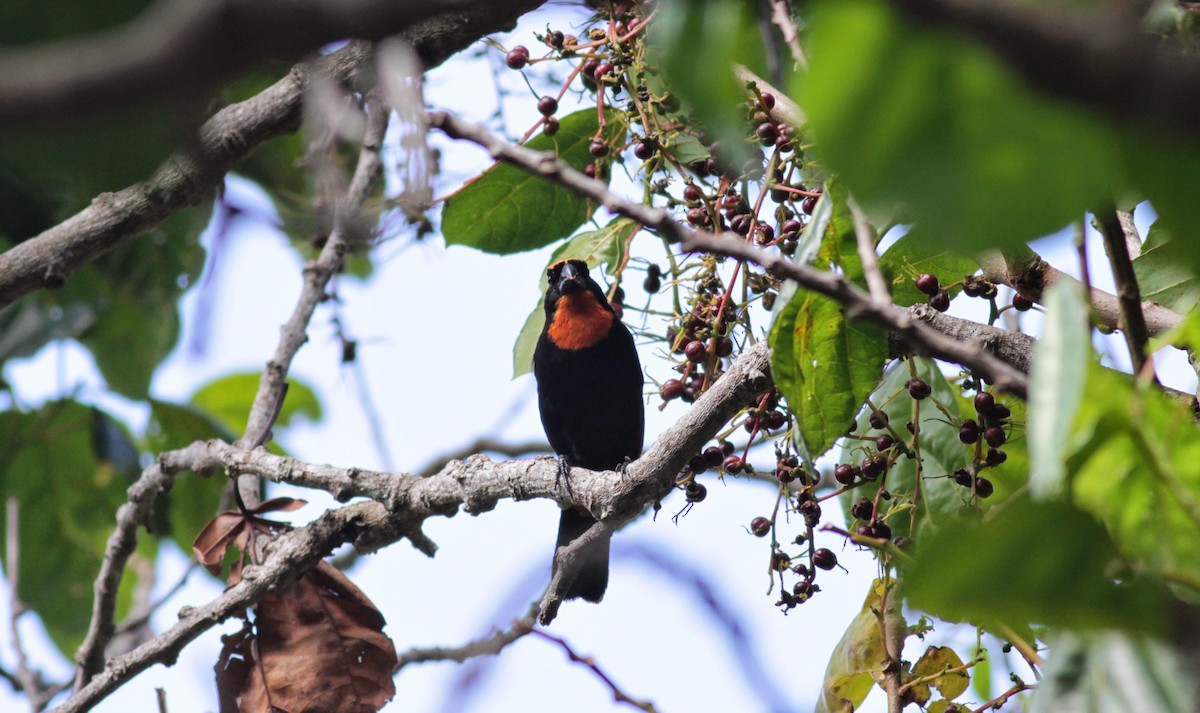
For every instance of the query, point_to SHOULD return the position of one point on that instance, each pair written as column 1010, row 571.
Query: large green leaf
column 1163, row 275
column 831, row 363
column 1004, row 570
column 509, row 210
column 1132, row 458
column 67, row 465
column 857, row 661
column 193, row 500
column 1056, row 385
column 698, row 44
column 906, row 115
column 608, row 246
column 1164, row 166
column 942, row 453
column 915, row 253
column 134, row 291
column 1114, row 672
column 228, row 400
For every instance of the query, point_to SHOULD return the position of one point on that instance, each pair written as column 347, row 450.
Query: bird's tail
column 593, row 576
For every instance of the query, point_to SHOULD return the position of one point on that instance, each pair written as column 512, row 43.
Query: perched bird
column 590, row 397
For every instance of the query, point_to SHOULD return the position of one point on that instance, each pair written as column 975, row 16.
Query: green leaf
column 608, row 246
column 1163, row 165
column 67, row 465
column 907, row 115
column 193, row 500
column 1112, row 672
column 858, row 659
column 1164, row 275
column 1132, row 457
column 831, row 363
column 941, row 658
column 229, row 398
column 1002, row 570
column 1056, row 385
column 697, row 44
column 941, row 451
column 134, row 291
column 508, row 210
column 915, row 253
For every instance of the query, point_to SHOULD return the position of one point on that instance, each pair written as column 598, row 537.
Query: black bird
column 590, row 397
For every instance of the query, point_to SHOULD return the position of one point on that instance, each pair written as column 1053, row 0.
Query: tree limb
column 1129, row 296
column 858, row 304
column 1100, row 55
column 48, row 259
column 185, row 48
column 405, row 501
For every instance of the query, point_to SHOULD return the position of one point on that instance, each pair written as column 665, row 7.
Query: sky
column 687, row 622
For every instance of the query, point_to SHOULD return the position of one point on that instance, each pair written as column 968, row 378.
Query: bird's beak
column 571, row 280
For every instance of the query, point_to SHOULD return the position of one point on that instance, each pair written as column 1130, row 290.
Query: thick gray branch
column 184, row 48
column 191, row 176
column 402, row 502
column 858, row 304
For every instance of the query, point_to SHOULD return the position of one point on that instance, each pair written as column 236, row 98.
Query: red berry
column 603, row 69
column 824, row 559
column 940, row 301
column 672, row 389
column 695, row 351
column 547, row 106
column 918, row 389
column 691, row 194
column 733, row 465
column 768, row 101
column 1021, row 302
column 696, row 216
column 809, row 205
column 791, row 228
column 517, row 57
column 928, row 283
column 995, row 436
column 588, row 72
column 760, row 526
column 590, row 170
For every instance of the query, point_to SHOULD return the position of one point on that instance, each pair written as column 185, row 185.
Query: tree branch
column 183, row 48
column 858, row 304
column 405, row 501
column 1026, row 272
column 1129, row 296
column 490, row 645
column 1100, row 56
column 112, row 219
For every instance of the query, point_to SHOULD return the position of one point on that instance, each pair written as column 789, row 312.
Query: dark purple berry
column 824, row 559
column 940, row 301
column 691, row 194
column 603, row 70
column 694, row 492
column 808, row 205
column 768, row 101
column 651, row 284
column 881, row 531
column 984, row 403
column 984, row 487
column 844, row 474
column 1001, row 412
column 724, row 346
column 775, row 421
column 878, row 420
column 862, row 509
column 547, row 106
column 996, row 456
column 873, row 467
column 884, row 442
column 697, row 216
column 695, row 351
column 733, row 465
column 1021, row 302
column 791, row 228
column 918, row 389
column 550, row 126
column 995, row 436
column 598, row 149
column 672, row 389
column 968, row 431
column 727, row 448
column 643, row 149
column 713, row 456
column 698, row 464
column 590, row 170
column 767, row 133
column 962, row 477
column 928, row 283
column 760, row 526
column 517, row 57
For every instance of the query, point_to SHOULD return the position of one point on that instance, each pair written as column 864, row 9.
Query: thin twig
column 1129, row 296
column 1001, row 699
column 864, row 237
column 29, row 680
column 618, row 694
column 781, row 17
column 489, row 645
column 858, row 304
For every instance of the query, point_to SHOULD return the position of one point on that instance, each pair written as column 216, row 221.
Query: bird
column 589, row 383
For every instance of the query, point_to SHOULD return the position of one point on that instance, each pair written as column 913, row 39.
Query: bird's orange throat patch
column 580, row 321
